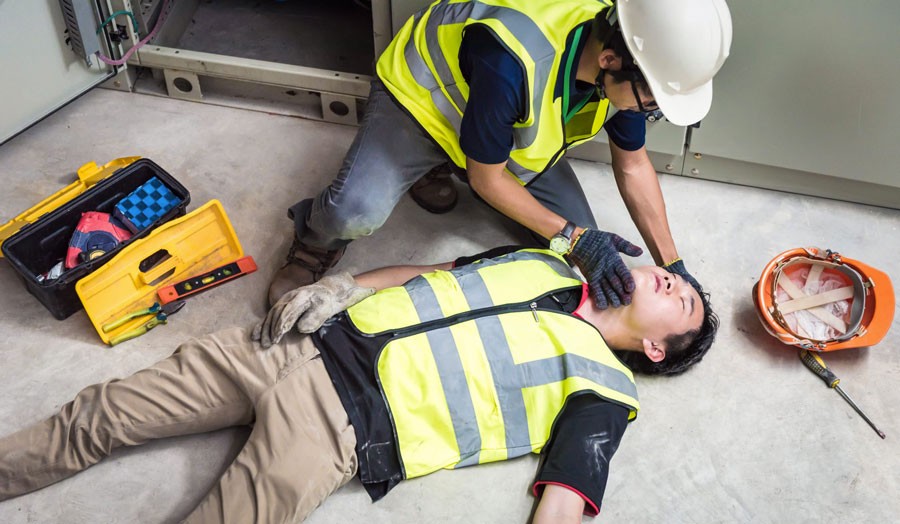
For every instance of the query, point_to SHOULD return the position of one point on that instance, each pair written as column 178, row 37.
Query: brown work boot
column 435, row 192
column 305, row 265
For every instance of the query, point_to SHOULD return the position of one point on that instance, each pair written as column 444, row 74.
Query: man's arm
column 639, row 187
column 505, row 194
column 391, row 276
column 308, row 307
column 558, row 505
column 497, row 99
column 577, row 458
column 597, row 255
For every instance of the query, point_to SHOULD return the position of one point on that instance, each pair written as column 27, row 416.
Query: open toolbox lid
column 88, row 175
column 193, row 244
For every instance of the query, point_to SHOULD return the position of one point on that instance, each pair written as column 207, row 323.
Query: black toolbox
column 35, row 248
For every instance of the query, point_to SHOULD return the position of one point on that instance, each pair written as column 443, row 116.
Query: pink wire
column 159, row 22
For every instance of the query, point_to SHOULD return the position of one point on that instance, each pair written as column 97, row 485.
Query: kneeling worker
column 484, row 359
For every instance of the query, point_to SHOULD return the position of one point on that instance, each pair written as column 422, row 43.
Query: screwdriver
column 817, row 366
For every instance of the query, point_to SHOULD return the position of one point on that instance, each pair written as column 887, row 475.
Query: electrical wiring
column 159, row 22
column 117, row 13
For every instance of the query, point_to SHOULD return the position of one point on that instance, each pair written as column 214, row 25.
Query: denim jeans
column 389, row 154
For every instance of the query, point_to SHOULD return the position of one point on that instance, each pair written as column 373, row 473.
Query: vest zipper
column 548, row 166
column 561, row 151
column 530, row 305
column 552, row 159
column 564, row 147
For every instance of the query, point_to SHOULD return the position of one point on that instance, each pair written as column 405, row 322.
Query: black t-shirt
column 579, row 451
column 584, row 437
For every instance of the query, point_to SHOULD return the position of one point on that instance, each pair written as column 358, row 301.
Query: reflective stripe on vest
column 507, row 376
column 424, row 73
column 393, row 309
column 533, row 40
column 484, row 377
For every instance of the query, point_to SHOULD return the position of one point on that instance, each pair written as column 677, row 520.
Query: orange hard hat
column 864, row 293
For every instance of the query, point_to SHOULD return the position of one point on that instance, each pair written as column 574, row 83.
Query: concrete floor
column 749, row 435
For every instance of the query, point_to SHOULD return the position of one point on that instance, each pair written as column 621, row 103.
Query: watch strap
column 567, row 230
column 563, row 237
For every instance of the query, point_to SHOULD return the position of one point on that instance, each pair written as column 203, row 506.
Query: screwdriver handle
column 817, row 366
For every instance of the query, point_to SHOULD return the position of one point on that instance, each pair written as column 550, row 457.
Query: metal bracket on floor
column 123, row 80
column 183, row 84
column 340, row 109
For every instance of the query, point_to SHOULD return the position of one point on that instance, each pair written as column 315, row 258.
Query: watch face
column 559, row 244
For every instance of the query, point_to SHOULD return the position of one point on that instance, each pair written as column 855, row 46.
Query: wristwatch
column 560, row 242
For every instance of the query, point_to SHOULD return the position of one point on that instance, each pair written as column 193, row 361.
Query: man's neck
column 612, row 325
column 589, row 61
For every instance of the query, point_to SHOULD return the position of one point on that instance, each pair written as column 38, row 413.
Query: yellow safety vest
column 475, row 372
column 421, row 70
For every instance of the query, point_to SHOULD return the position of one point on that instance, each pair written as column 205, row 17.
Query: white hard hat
column 679, row 45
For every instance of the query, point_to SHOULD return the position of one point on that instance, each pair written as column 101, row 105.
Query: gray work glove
column 308, row 307
column 678, row 268
column 597, row 255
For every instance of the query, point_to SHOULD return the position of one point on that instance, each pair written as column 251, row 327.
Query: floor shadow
column 749, row 326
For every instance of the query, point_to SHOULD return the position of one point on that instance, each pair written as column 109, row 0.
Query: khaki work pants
column 300, row 451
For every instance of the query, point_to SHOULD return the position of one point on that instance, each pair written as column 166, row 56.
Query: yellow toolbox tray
column 88, row 175
column 193, row 244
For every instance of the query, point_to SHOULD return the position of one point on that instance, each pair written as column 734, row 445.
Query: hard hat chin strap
column 599, row 84
column 612, row 15
column 634, row 76
column 609, row 33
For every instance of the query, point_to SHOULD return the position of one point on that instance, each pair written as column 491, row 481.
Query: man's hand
column 678, row 268
column 597, row 254
column 308, row 307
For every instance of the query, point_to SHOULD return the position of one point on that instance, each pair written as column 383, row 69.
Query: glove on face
column 308, row 307
column 678, row 268
column 597, row 255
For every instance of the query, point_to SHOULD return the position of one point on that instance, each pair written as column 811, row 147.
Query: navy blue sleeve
column 583, row 442
column 496, row 94
column 490, row 253
column 627, row 129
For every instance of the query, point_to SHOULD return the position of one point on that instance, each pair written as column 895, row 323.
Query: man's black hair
column 682, row 350
column 611, row 37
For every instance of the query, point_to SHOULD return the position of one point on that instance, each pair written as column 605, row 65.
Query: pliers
column 160, row 314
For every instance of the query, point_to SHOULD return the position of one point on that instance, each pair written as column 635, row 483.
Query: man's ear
column 654, row 350
column 609, row 61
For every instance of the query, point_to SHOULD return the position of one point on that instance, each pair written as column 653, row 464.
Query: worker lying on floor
column 466, row 363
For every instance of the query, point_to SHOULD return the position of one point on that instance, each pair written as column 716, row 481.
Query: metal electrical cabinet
column 808, row 101
column 44, row 63
column 313, row 58
column 263, row 54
